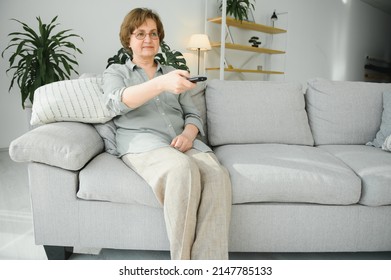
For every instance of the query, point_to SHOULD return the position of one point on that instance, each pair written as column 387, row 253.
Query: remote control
column 197, row 79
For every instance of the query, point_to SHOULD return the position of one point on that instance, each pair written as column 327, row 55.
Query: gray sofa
column 303, row 178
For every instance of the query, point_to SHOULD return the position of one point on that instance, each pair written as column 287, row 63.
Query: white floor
column 17, row 236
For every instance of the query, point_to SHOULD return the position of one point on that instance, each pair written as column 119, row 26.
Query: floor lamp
column 199, row 42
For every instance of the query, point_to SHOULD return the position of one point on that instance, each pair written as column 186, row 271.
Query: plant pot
column 28, row 107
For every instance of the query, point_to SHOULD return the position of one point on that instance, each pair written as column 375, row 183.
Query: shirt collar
column 133, row 66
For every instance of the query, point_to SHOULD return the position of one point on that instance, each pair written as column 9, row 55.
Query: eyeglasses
column 141, row 35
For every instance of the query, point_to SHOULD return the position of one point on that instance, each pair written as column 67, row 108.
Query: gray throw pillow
column 385, row 127
column 68, row 145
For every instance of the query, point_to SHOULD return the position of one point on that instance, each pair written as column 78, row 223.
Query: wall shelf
column 248, row 25
column 246, row 48
column 229, row 21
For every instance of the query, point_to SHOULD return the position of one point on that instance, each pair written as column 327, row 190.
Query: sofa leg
column 58, row 252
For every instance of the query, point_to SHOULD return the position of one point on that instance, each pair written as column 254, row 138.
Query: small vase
column 28, row 107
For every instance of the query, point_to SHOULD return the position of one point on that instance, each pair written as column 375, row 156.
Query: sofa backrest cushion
column 342, row 112
column 245, row 112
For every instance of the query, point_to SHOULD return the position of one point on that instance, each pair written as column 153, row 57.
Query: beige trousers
column 195, row 192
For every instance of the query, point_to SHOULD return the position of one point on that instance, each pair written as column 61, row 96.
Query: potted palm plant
column 40, row 57
column 238, row 8
column 120, row 58
column 171, row 57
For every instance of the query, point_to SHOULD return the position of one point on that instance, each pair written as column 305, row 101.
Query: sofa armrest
column 68, row 145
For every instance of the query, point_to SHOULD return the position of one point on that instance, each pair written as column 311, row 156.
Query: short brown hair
column 133, row 20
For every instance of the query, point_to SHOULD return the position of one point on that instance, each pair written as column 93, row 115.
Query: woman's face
column 148, row 47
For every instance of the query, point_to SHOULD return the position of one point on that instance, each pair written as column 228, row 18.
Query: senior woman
column 157, row 125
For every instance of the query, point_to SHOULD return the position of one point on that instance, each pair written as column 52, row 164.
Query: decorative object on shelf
column 167, row 57
column 254, row 41
column 275, row 15
column 239, row 9
column 199, row 42
column 40, row 58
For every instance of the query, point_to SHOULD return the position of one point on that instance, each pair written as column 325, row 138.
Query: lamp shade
column 199, row 42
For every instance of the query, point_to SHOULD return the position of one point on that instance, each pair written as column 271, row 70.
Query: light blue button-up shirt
column 154, row 124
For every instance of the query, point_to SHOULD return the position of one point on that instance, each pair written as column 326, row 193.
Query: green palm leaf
column 39, row 58
column 238, row 8
column 172, row 57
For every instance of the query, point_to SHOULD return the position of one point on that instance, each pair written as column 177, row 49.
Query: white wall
column 334, row 38
column 327, row 39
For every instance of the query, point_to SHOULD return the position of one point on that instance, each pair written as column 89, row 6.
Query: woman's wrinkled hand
column 182, row 143
column 176, row 82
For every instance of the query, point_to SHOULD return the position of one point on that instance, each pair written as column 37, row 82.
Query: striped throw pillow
column 78, row 100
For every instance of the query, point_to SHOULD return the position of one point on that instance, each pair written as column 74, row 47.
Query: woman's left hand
column 182, row 143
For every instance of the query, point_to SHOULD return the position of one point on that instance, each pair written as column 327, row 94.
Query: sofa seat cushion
column 288, row 173
column 373, row 165
column 107, row 178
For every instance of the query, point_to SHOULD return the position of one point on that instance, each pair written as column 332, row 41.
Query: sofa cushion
column 372, row 165
column 68, row 145
column 244, row 112
column 343, row 112
column 107, row 178
column 387, row 144
column 70, row 100
column 288, row 173
column 385, row 126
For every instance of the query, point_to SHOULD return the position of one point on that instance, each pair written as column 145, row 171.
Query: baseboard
column 4, row 150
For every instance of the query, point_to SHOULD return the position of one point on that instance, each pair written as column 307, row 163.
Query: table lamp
column 199, row 42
